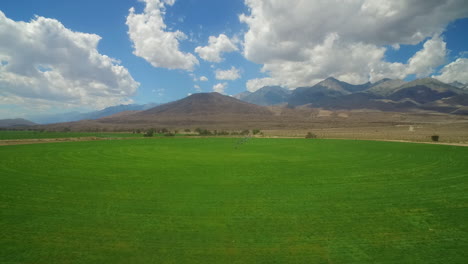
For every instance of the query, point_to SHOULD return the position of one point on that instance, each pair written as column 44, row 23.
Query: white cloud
column 424, row 61
column 302, row 42
column 153, row 42
column 220, row 87
column 203, row 79
column 44, row 63
column 232, row 74
column 197, row 88
column 455, row 71
column 216, row 46
column 255, row 84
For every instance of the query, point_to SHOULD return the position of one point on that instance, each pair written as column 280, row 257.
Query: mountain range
column 386, row 95
column 220, row 112
column 274, row 107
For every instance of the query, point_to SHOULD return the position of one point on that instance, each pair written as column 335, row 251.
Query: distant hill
column 77, row 116
column 242, row 95
column 117, row 109
column 206, row 104
column 18, row 122
column 268, row 95
column 196, row 110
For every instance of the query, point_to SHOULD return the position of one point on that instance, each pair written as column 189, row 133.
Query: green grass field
column 223, row 200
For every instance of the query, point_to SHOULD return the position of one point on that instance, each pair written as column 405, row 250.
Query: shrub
column 149, row 133
column 169, row 134
column 310, row 135
column 204, row 132
column 256, row 131
column 435, row 138
column 245, row 132
column 187, row 130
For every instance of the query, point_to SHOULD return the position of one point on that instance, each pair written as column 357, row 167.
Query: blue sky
column 267, row 42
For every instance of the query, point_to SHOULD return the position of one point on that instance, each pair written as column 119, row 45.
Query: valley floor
column 232, row 200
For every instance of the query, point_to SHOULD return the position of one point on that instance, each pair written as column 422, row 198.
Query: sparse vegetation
column 244, row 132
column 435, row 138
column 149, row 133
column 204, row 132
column 311, row 135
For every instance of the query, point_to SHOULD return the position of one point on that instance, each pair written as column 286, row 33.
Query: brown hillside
column 206, row 104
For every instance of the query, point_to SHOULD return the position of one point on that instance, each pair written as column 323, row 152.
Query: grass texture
column 231, row 200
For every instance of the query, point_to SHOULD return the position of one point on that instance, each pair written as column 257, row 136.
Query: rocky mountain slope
column 426, row 94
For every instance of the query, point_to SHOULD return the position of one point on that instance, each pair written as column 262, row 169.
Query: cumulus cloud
column 203, row 79
column 216, row 46
column 231, row 74
column 153, row 42
column 302, row 42
column 255, row 84
column 220, row 87
column 424, row 61
column 455, row 71
column 42, row 63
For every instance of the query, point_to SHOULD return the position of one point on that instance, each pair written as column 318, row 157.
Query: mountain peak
column 333, row 84
column 268, row 95
column 331, row 78
column 205, row 95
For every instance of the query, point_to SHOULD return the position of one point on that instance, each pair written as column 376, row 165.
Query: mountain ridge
column 385, row 95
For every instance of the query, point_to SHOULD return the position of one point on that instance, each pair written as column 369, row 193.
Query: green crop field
column 228, row 200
